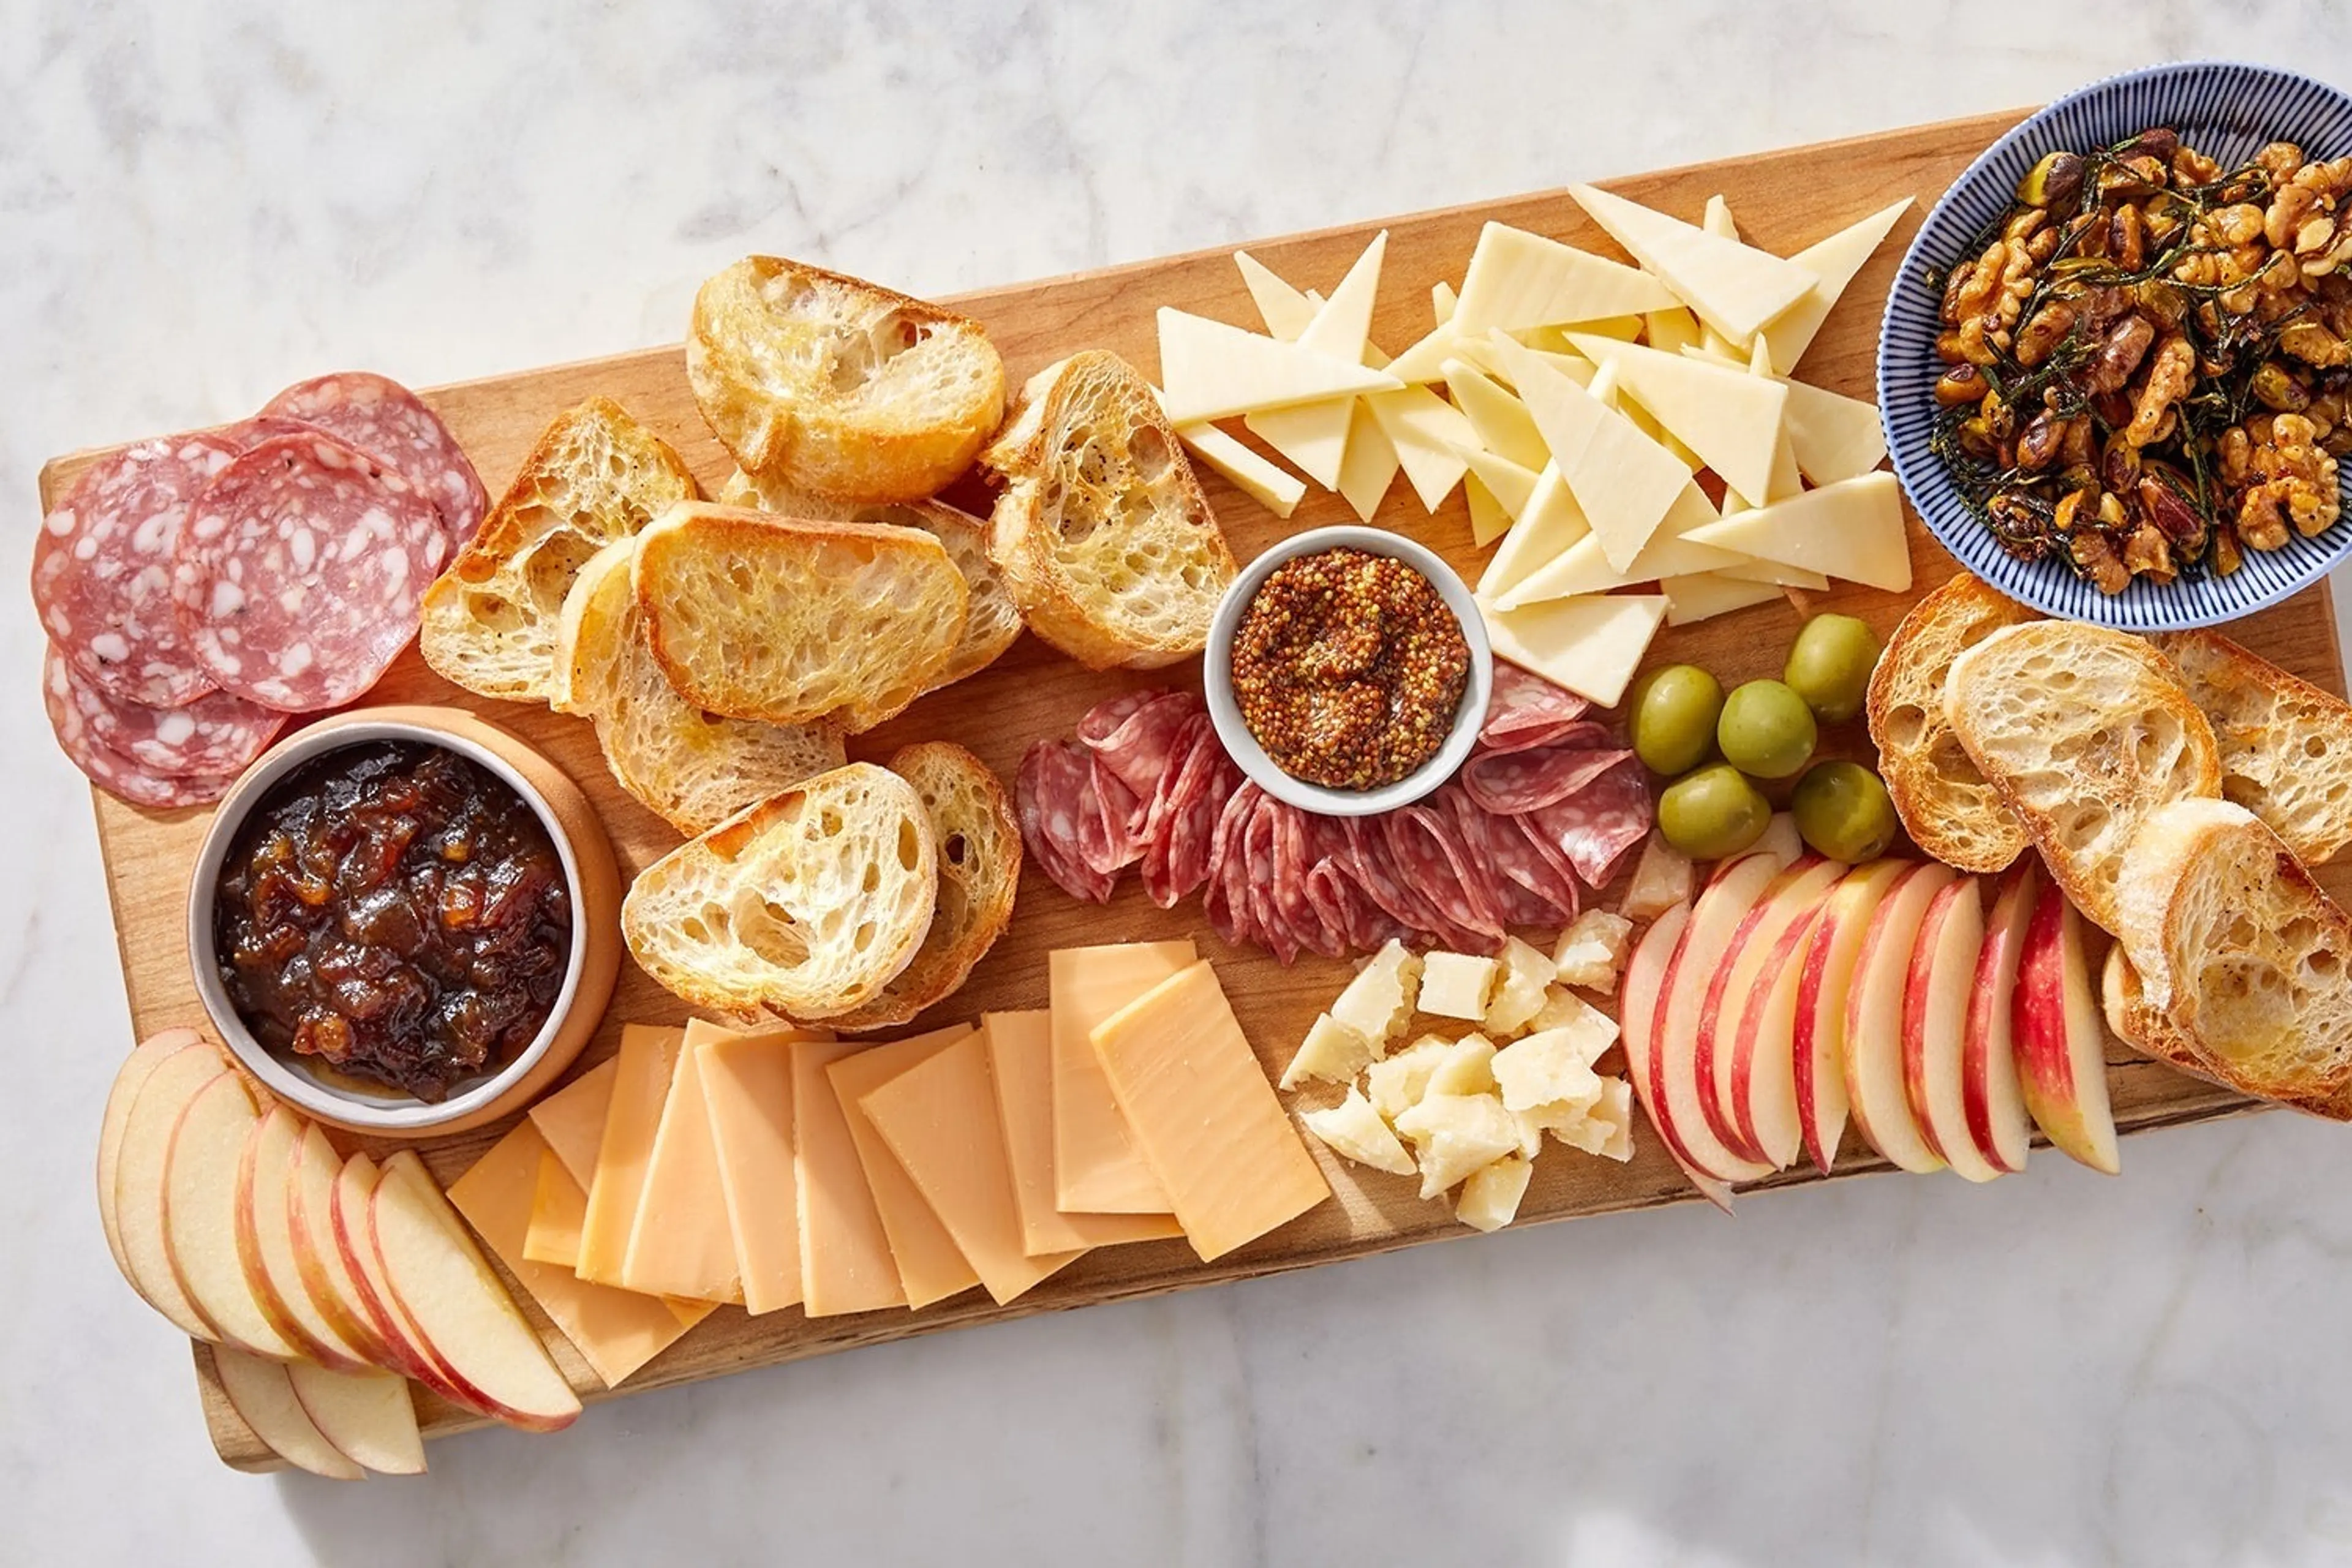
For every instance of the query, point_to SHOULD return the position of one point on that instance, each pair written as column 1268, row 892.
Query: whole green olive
column 1766, row 730
column 1674, row 714
column 1843, row 811
column 1830, row 664
column 1712, row 812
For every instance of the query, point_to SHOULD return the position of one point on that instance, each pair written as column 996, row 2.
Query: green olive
column 1843, row 811
column 1766, row 730
column 1674, row 710
column 1712, row 812
column 1830, row 666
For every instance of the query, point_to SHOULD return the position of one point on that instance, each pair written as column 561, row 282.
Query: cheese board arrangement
column 904, row 814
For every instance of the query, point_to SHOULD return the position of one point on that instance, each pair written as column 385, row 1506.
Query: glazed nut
column 1960, row 386
column 2056, row 181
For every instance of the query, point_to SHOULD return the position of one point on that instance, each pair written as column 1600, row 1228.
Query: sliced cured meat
column 117, row 775
column 1183, row 739
column 1435, row 865
column 1048, row 795
column 1176, row 860
column 102, row 569
column 1226, row 901
column 1137, row 737
column 215, row 736
column 1515, row 781
column 1527, row 711
column 1340, row 898
column 392, row 425
column 298, row 572
column 1273, row 928
column 1107, row 818
column 1524, row 884
column 1373, row 868
column 1593, row 828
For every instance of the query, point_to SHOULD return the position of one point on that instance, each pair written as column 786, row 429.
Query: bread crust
column 1949, row 809
column 2286, row 745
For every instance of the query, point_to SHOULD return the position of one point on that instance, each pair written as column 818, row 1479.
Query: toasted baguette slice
column 1103, row 534
column 2082, row 731
column 2286, row 745
column 2131, row 1020
column 992, row 620
column 980, row 871
column 806, row 904
column 690, row 768
column 2247, row 960
column 838, row 387
column 1945, row 803
column 790, row 621
column 595, row 476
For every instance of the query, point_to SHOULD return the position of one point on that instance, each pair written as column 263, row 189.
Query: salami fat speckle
column 118, row 775
column 1512, row 783
column 1049, row 796
column 1527, row 711
column 299, row 570
column 392, row 425
column 215, row 736
column 102, row 569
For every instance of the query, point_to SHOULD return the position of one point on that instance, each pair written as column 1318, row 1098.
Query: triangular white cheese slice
column 1580, row 569
column 1424, row 360
column 1772, row 572
column 1371, row 462
column 1623, row 481
column 1590, row 646
column 1442, row 300
column 1284, row 309
column 1852, row 530
column 1734, row 287
column 1488, row 520
column 1261, row 479
column 1705, row 595
column 1211, row 371
column 1519, row 279
column 1427, row 434
column 1501, row 421
column 1314, row 436
column 1509, row 483
column 1833, row 437
column 1549, row 523
column 1731, row 419
column 1671, row 331
column 1343, row 322
column 1833, row 262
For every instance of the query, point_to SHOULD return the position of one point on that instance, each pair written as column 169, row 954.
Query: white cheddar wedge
column 1582, row 569
column 1734, row 287
column 1312, row 436
column 1554, row 340
column 1426, row 433
column 1833, row 262
column 1212, row 370
column 1624, row 482
column 1488, row 520
column 1732, row 420
column 1550, row 524
column 1852, row 530
column 1490, row 1197
column 1371, row 464
column 1670, row 332
column 1771, row 572
column 1511, row 484
column 1260, row 477
column 1424, row 360
column 1833, row 437
column 1704, row 596
column 1343, row 322
column 1284, row 311
column 1518, row 280
column 1442, row 300
column 1500, row 422
column 1716, row 220
column 1592, row 646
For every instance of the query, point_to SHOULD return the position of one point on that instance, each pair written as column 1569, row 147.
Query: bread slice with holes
column 838, row 387
column 692, row 769
column 1947, row 806
column 992, row 620
column 2247, row 960
column 2083, row 732
column 806, row 904
column 1102, row 532
column 790, row 621
column 2131, row 1020
column 2286, row 745
column 595, row 475
column 979, row 842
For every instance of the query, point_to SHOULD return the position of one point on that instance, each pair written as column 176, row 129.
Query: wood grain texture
column 1782, row 200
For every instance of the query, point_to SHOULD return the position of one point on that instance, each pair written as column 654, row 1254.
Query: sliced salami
column 299, row 571
column 1374, row 869
column 1527, row 711
column 1522, row 881
column 1136, row 738
column 1274, row 929
column 1182, row 740
column 1107, row 816
column 1594, row 827
column 1515, row 781
column 117, row 775
column 392, row 425
column 1226, row 901
column 1048, row 795
column 102, row 569
column 1432, row 863
column 1176, row 861
column 215, row 736
column 1340, row 898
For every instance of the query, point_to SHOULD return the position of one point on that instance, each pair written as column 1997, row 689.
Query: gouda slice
column 557, row 1206
column 1097, row 1166
column 1020, row 1060
column 646, row 1062
column 931, row 1267
column 571, row 1120
column 845, row 1264
column 680, row 1244
column 747, row 1087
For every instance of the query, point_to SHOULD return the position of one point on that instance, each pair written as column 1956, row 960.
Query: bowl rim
column 1470, row 713
column 390, row 1111
column 2144, row 607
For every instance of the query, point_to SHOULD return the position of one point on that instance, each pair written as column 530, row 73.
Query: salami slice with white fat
column 118, row 775
column 392, row 425
column 1049, row 794
column 1527, row 711
column 1594, row 827
column 215, row 736
column 1176, row 859
column 1515, row 781
column 1267, row 912
column 1523, row 884
column 1432, row 862
column 102, row 569
column 1136, row 738
column 1226, row 901
column 299, row 570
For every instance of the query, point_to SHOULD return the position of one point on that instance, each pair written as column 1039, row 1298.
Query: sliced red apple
column 1942, row 972
column 265, row 1241
column 1787, row 899
column 325, row 1278
column 1990, row 1094
column 143, row 1059
column 367, row 1415
column 2060, row 1037
column 141, row 1161
column 458, row 1306
column 1637, row 1016
column 354, row 1197
column 1874, row 1020
column 263, row 1394
column 1819, row 1047
column 1679, row 1094
column 199, row 1216
column 1764, row 1069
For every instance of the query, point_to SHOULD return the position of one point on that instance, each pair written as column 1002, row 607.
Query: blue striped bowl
column 2225, row 109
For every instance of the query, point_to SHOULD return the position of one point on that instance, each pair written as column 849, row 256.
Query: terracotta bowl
column 590, row 873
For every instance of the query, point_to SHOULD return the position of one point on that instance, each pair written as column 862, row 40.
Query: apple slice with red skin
column 354, row 1197
column 1874, row 1020
column 367, row 1415
column 259, row 1390
column 143, row 1059
column 1787, row 899
column 1637, row 1016
column 200, row 1215
column 142, row 1165
column 326, row 1279
column 2060, row 1037
column 1942, row 973
column 265, row 1241
column 1990, row 1093
column 1819, row 1046
column 1764, row 1069
column 1679, row 1095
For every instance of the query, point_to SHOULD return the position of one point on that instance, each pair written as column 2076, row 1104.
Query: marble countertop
column 199, row 204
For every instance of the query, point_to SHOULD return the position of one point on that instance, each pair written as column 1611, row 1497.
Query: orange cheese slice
column 931, row 1267
column 1204, row 1113
column 648, row 1061
column 939, row 1117
column 571, row 1120
column 845, row 1264
column 1021, row 1061
column 558, row 1208
column 747, row 1087
column 1096, row 1167
column 680, row 1244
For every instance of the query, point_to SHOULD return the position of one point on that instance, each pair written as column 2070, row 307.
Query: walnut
column 2148, row 553
column 2259, row 523
column 2044, row 331
column 2233, row 225
column 2190, row 167
column 2127, row 239
column 2294, row 480
column 2313, row 345
column 2237, row 455
column 2280, row 160
column 2170, row 371
column 2097, row 558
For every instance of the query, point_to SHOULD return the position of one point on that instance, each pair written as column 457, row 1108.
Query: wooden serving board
column 1783, row 200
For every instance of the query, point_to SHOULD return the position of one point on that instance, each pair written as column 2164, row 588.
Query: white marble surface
column 200, row 202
